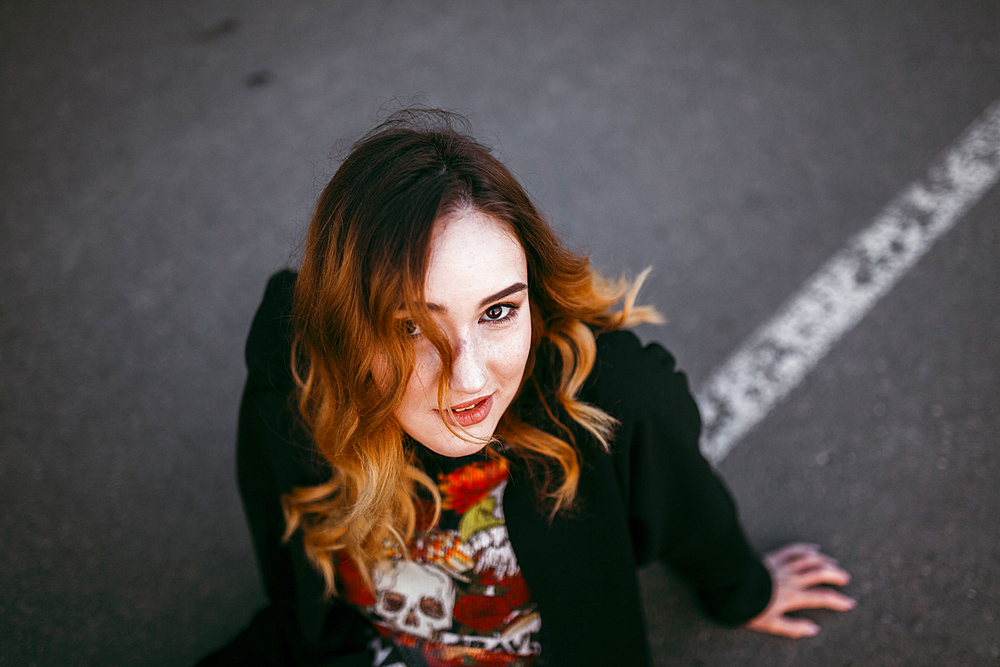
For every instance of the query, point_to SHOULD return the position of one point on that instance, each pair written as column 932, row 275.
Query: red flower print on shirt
column 485, row 613
column 463, row 488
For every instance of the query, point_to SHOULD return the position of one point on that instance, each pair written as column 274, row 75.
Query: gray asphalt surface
column 160, row 161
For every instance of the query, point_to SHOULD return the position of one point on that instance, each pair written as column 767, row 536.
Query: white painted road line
column 776, row 357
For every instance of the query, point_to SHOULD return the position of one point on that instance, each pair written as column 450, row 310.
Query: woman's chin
column 454, row 446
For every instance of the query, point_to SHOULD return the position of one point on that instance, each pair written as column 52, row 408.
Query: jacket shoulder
column 269, row 343
column 628, row 375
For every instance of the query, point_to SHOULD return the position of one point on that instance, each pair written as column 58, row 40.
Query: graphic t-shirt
column 459, row 599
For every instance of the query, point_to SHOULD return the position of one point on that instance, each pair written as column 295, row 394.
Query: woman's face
column 477, row 290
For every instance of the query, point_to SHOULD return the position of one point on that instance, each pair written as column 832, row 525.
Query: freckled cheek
column 509, row 357
column 413, row 411
column 422, row 387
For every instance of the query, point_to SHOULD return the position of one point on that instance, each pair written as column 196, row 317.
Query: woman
column 449, row 450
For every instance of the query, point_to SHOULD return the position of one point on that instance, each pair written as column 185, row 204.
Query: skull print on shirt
column 414, row 598
column 456, row 597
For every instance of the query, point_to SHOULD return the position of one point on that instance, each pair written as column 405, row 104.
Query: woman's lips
column 470, row 413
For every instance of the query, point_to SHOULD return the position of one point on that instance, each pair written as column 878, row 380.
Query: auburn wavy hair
column 365, row 259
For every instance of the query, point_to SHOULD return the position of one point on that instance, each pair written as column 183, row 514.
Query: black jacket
column 653, row 497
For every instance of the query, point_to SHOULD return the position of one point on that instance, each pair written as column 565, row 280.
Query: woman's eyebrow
column 506, row 291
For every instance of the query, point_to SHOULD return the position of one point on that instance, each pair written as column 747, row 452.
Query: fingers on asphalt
column 797, row 627
column 794, row 551
column 821, row 598
column 810, row 561
column 825, row 572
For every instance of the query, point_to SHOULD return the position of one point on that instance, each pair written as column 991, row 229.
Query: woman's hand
column 798, row 572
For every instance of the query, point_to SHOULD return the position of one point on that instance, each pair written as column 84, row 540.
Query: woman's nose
column 468, row 372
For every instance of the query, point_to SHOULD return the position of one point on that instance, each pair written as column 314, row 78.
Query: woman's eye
column 498, row 312
column 411, row 328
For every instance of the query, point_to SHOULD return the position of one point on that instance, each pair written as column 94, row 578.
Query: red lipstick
column 471, row 412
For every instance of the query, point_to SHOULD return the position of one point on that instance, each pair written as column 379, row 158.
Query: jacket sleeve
column 275, row 455
column 679, row 510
